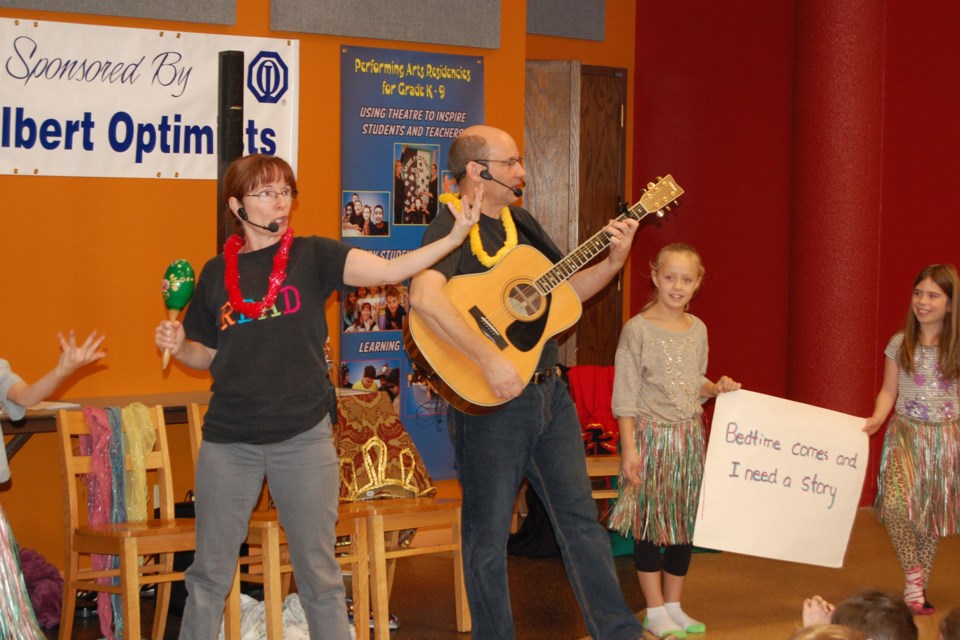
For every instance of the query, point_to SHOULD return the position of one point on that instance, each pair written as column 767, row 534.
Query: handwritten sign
column 781, row 480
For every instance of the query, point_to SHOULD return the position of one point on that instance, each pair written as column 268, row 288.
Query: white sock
column 684, row 621
column 661, row 624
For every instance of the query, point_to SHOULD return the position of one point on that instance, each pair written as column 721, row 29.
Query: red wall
column 713, row 108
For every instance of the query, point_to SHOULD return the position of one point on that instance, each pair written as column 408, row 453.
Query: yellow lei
column 476, row 246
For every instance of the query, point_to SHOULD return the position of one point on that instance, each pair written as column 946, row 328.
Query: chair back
column 72, row 426
column 195, row 415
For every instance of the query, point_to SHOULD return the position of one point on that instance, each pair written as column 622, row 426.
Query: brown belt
column 542, row 375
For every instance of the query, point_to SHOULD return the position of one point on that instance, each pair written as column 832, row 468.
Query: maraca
column 177, row 289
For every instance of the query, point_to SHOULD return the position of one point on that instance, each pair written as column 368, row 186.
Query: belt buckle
column 543, row 374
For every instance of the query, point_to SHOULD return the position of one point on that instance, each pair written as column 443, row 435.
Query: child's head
column 950, row 626
column 880, row 616
column 676, row 273
column 933, row 292
column 934, row 311
column 393, row 298
column 826, row 632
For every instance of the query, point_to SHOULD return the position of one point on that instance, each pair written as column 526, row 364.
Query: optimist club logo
column 267, row 77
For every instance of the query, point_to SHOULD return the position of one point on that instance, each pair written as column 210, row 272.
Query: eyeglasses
column 269, row 195
column 510, row 162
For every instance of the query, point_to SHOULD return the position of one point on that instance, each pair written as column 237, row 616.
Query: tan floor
column 746, row 597
column 738, row 597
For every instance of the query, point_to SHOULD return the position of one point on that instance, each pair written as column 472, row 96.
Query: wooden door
column 575, row 150
column 602, row 186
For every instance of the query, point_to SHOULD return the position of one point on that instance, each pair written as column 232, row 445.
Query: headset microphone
column 517, row 191
column 273, row 227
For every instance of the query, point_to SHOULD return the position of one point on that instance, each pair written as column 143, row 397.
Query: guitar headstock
column 658, row 197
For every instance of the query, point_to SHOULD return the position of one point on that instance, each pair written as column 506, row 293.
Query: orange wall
column 90, row 253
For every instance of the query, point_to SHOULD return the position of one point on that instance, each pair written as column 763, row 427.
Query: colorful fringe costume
column 918, row 497
column 17, row 619
column 658, row 378
column 663, row 508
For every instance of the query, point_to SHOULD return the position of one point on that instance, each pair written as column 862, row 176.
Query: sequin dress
column 657, row 381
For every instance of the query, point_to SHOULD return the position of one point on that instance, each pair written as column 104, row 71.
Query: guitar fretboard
column 599, row 241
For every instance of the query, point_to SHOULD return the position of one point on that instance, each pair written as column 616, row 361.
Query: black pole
column 229, row 129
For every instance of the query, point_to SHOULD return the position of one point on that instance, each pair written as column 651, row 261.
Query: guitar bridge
column 486, row 328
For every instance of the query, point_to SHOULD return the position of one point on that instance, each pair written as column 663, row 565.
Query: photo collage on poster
column 400, row 112
column 365, row 214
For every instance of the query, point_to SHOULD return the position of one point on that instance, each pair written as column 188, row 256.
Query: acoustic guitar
column 518, row 305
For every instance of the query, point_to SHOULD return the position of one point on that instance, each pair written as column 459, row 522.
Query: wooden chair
column 271, row 567
column 129, row 541
column 369, row 418
column 393, row 515
column 604, row 466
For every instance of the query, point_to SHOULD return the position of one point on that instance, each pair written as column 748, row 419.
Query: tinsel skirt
column 663, row 506
column 929, row 454
column 17, row 620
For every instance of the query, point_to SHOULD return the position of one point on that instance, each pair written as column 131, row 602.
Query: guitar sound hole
column 524, row 300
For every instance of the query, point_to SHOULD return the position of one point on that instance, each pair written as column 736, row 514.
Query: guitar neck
column 583, row 254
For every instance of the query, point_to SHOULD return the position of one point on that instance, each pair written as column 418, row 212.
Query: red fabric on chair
column 592, row 389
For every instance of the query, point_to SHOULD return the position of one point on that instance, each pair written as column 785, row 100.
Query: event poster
column 400, row 112
column 94, row 101
column 781, row 479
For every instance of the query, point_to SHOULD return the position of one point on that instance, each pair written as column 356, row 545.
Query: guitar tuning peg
column 649, row 185
column 666, row 208
column 660, row 213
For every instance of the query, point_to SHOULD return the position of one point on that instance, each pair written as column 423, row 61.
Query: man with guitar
column 527, row 423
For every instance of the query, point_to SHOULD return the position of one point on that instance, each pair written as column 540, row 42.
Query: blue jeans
column 304, row 478
column 536, row 435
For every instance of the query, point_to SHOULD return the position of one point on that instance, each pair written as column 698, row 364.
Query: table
column 174, row 412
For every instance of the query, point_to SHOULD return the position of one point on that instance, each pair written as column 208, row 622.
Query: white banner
column 81, row 100
column 781, row 480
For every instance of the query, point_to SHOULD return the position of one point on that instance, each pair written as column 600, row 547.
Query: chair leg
column 69, row 607
column 231, row 614
column 162, row 603
column 464, row 622
column 272, row 596
column 130, row 596
column 378, row 578
column 360, row 580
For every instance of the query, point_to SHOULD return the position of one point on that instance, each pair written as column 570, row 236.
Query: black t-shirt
column 269, row 374
column 492, row 236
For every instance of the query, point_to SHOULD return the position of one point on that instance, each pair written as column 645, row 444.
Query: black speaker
column 229, row 129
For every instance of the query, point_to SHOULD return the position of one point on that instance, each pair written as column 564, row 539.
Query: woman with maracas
column 257, row 322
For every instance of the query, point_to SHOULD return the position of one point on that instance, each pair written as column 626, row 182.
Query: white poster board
column 92, row 101
column 781, row 480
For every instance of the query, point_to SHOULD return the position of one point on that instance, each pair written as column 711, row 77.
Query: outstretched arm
column 886, row 398
column 364, row 269
column 589, row 281
column 723, row 385
column 72, row 357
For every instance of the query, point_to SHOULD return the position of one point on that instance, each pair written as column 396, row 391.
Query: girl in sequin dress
column 919, row 487
column 659, row 386
column 17, row 620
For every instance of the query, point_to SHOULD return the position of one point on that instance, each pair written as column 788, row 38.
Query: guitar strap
column 536, row 240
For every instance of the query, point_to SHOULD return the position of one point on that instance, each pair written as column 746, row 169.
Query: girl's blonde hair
column 657, row 262
column 826, row 632
column 945, row 277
